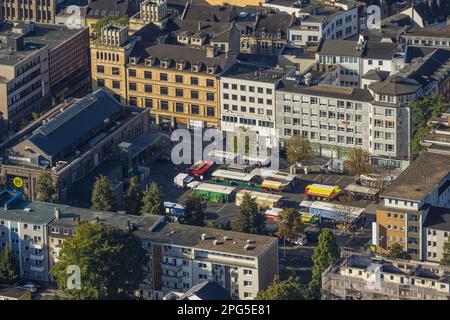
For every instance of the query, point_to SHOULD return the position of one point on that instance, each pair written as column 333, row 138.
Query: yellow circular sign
column 18, row 182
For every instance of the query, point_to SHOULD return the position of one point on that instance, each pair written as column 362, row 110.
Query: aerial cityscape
column 224, row 150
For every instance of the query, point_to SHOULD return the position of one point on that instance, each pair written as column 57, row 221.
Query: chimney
column 210, row 52
column 57, row 213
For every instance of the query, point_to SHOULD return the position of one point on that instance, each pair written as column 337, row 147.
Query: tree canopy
column 325, row 254
column 152, row 200
column 194, row 210
column 290, row 289
column 9, row 266
column 111, row 262
column 133, row 197
column 359, row 162
column 249, row 220
column 45, row 188
column 289, row 224
column 422, row 111
column 103, row 195
column 298, row 149
column 397, row 252
column 445, row 261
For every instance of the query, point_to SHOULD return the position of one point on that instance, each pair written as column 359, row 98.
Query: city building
column 180, row 256
column 358, row 277
column 248, row 100
column 429, row 14
column 40, row 65
column 74, row 139
column 176, row 79
column 409, row 201
column 430, row 37
column 264, row 33
column 327, row 23
column 37, row 11
column 437, row 230
column 207, row 290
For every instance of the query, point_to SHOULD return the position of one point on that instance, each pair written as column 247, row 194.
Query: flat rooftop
column 254, row 73
column 420, row 178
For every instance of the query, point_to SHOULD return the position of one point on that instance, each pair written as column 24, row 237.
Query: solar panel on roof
column 68, row 114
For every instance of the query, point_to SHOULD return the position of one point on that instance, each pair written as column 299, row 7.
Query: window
column 101, row 83
column 164, row 105
column 148, row 88
column 210, row 112
column 149, row 103
column 195, row 109
column 179, row 107
column 100, row 69
column 247, row 272
column 209, row 83
column 210, row 96
column 116, row 84
column 225, row 85
column 147, row 74
column 194, row 80
column 133, row 101
column 247, row 283
column 164, row 90
column 115, row 71
column 179, row 92
column 178, row 79
column 132, row 72
column 194, row 94
column 163, row 76
column 132, row 86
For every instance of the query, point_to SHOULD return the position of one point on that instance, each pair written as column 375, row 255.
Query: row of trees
column 299, row 149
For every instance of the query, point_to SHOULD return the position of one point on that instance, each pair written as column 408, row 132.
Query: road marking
column 221, row 208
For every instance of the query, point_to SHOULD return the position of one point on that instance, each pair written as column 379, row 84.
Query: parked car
column 29, row 286
column 301, row 240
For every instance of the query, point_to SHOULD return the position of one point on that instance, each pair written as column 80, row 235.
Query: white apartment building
column 324, row 25
column 248, row 100
column 355, row 58
column 358, row 277
column 183, row 256
column 337, row 119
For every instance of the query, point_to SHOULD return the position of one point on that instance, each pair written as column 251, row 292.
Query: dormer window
column 164, row 64
column 133, row 60
column 195, row 68
column 180, row 65
column 211, row 70
column 148, row 62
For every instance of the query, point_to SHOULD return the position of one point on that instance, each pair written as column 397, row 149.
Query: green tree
column 422, row 111
column 103, row 195
column 249, row 220
column 397, row 252
column 290, row 289
column 289, row 224
column 111, row 262
column 194, row 210
column 45, row 188
column 9, row 266
column 359, row 162
column 298, row 149
column 133, row 197
column 217, row 225
column 152, row 200
column 445, row 261
column 325, row 254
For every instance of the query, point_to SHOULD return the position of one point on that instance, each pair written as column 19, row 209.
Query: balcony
column 37, row 268
column 176, row 254
column 171, row 279
column 36, row 245
column 171, row 267
column 37, row 256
